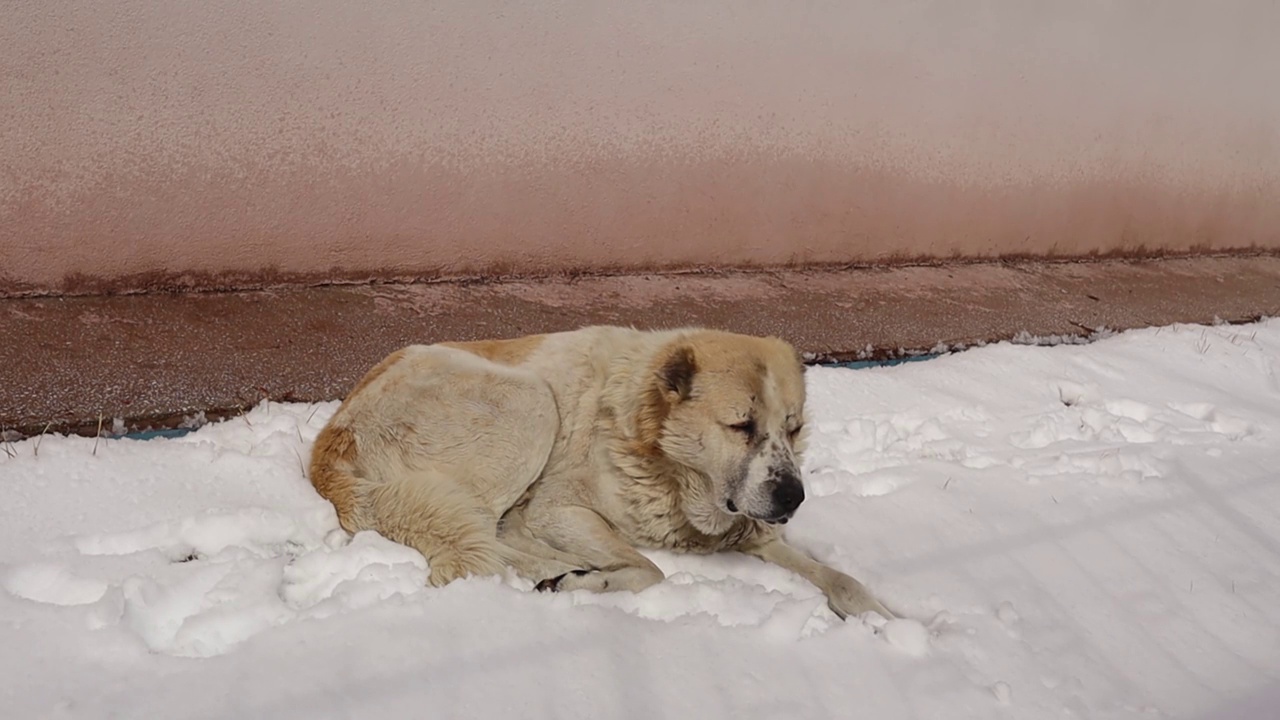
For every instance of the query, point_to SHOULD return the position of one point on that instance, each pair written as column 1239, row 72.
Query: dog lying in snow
column 557, row 456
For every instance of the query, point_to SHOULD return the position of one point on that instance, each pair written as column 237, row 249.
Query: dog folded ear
column 677, row 371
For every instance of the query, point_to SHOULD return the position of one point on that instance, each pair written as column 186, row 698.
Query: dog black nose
column 788, row 493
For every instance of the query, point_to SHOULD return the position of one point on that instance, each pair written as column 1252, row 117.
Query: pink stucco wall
column 147, row 142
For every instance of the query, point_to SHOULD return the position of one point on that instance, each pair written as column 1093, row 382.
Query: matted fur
column 557, row 456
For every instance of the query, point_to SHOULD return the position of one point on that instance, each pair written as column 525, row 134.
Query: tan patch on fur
column 504, row 352
column 332, row 458
column 655, row 402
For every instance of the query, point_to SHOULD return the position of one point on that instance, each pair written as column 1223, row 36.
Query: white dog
column 557, row 456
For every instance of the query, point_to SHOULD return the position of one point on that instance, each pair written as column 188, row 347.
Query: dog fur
column 558, row 456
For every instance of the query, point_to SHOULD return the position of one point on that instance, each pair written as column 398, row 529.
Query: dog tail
column 440, row 519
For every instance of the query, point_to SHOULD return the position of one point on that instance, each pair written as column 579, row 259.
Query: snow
column 1073, row 531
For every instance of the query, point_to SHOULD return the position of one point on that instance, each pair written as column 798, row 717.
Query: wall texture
column 147, row 143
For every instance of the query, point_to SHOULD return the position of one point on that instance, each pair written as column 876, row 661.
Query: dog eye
column 746, row 427
column 792, row 433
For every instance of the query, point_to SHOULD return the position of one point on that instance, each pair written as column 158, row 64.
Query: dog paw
column 553, row 584
column 846, row 596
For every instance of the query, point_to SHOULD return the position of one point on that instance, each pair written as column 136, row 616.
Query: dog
column 559, row 456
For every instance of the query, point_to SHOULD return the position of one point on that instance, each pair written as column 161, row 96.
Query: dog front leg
column 845, row 595
column 580, row 532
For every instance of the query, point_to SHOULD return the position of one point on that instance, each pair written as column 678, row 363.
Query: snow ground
column 1075, row 531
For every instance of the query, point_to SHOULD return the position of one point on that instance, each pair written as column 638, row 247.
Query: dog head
column 732, row 410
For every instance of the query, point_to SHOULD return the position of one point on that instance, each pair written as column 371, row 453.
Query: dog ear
column 672, row 383
column 677, row 371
